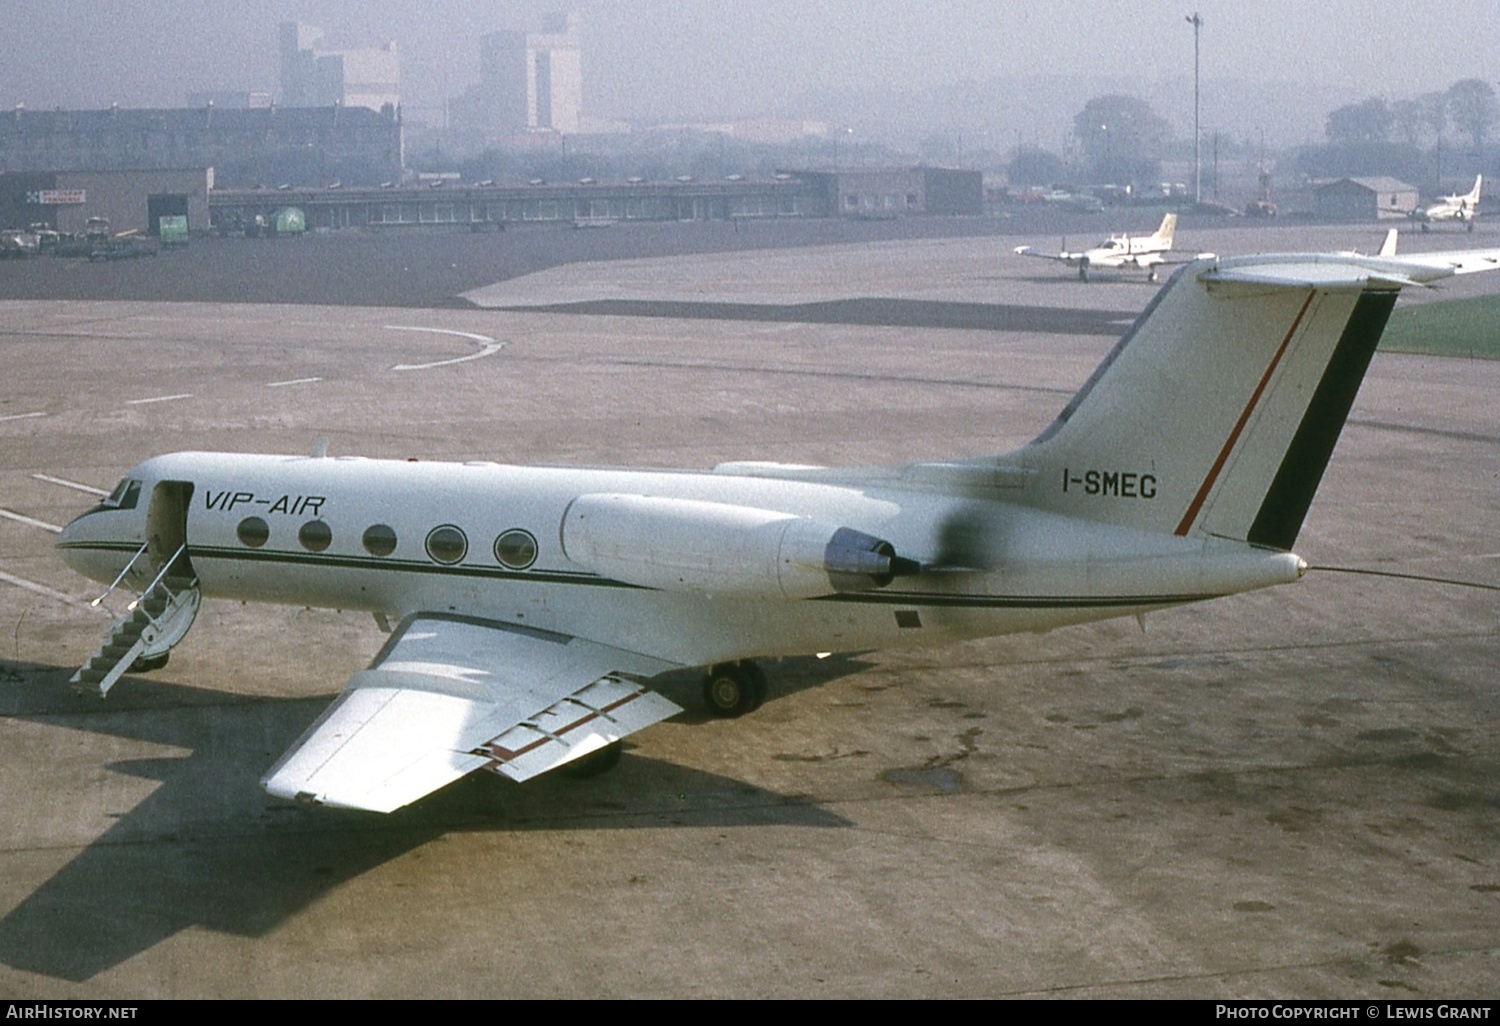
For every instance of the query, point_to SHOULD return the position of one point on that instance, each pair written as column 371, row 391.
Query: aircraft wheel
column 734, row 689
column 595, row 763
column 1150, row 275
column 145, row 665
column 1083, row 272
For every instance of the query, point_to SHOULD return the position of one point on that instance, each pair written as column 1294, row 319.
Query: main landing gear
column 595, row 763
column 734, row 689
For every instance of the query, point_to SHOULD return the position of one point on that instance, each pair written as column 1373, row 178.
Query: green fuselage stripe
column 884, row 597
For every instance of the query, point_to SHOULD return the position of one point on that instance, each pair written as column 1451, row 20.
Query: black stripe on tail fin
column 1291, row 493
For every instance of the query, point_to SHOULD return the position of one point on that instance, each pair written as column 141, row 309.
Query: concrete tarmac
column 1294, row 793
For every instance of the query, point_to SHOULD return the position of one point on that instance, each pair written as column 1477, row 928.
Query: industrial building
column 272, row 145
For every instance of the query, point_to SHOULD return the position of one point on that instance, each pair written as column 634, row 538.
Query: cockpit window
column 126, row 494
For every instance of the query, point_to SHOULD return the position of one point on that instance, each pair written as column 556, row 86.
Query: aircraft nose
column 97, row 544
column 70, row 542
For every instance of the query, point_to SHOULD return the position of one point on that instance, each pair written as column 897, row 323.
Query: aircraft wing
column 1032, row 251
column 448, row 695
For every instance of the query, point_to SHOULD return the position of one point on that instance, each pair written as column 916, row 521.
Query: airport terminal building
column 223, row 168
column 869, row 193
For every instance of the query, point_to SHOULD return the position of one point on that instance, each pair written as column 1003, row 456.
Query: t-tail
column 1472, row 199
column 1163, row 237
column 1217, row 412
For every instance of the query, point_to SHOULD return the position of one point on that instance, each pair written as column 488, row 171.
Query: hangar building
column 130, row 200
column 1365, row 199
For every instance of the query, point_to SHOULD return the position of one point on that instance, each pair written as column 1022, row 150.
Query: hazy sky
column 671, row 59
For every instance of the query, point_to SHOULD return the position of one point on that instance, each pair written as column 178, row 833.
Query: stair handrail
column 116, row 583
column 159, row 578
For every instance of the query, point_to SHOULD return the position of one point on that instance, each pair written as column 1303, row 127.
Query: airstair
column 154, row 621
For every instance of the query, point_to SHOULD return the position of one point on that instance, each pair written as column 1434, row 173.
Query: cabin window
column 253, row 531
column 447, row 544
column 379, row 540
column 315, row 535
column 515, row 549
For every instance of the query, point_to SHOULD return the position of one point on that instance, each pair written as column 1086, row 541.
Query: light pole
column 1196, row 20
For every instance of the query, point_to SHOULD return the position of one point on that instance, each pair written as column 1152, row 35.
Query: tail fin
column 1388, row 247
column 1164, row 234
column 1473, row 196
column 1218, row 410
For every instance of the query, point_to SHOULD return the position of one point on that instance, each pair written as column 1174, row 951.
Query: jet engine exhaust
column 855, row 561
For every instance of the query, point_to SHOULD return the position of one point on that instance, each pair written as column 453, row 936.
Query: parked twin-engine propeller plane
column 1118, row 252
column 1461, row 208
column 535, row 604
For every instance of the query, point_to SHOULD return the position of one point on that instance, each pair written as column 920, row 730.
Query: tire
column 733, row 689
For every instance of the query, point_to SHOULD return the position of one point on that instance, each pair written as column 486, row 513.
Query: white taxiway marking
column 42, row 589
column 71, row 484
column 158, row 399
column 22, row 416
column 294, row 381
column 488, row 347
column 18, row 518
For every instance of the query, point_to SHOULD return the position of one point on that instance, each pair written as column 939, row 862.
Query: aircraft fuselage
column 690, row 567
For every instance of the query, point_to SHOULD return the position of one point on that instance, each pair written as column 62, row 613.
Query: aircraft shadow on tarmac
column 207, row 848
column 869, row 312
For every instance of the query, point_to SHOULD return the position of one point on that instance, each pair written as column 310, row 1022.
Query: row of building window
column 514, row 549
column 621, row 208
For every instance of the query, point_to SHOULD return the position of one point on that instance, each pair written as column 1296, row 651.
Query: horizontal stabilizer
column 1348, row 270
column 1217, row 412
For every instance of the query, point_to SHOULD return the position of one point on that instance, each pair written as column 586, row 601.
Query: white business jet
column 1118, row 252
column 1462, row 209
column 535, row 605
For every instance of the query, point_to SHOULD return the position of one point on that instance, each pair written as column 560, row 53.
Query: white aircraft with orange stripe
column 535, row 605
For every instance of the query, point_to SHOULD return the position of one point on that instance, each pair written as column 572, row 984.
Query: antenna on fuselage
column 320, row 448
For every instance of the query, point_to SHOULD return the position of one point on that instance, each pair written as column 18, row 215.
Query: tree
column 1034, row 166
column 1368, row 121
column 1410, row 120
column 1122, row 139
column 1472, row 106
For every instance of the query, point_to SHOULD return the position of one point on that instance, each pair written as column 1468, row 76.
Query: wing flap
column 597, row 715
column 445, row 691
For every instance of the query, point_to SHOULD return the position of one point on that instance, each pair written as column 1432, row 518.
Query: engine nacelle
column 722, row 549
